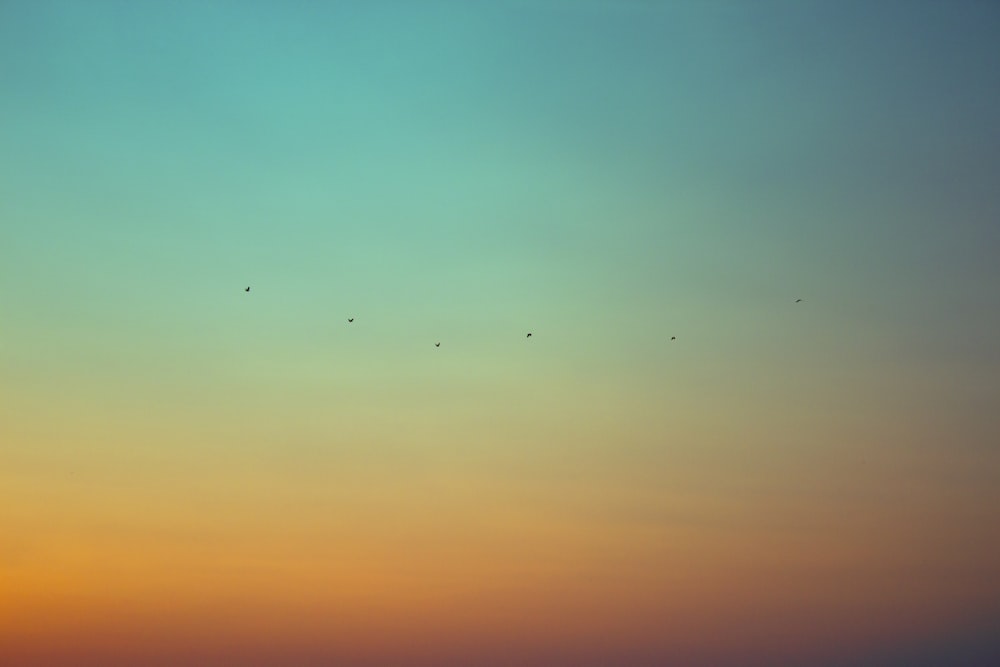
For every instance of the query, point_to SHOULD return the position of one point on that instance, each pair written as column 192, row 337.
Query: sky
column 194, row 474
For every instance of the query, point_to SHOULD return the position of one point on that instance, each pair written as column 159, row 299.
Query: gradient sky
column 190, row 474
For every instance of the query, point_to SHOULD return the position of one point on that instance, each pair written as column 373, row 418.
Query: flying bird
column 437, row 344
column 528, row 336
column 673, row 338
column 247, row 289
column 798, row 301
column 350, row 319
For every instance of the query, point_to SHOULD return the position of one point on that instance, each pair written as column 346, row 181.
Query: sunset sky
column 191, row 474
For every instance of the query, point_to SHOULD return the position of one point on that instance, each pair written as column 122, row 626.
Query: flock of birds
column 438, row 344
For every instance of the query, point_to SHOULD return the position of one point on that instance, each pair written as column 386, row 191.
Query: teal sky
column 558, row 155
column 604, row 174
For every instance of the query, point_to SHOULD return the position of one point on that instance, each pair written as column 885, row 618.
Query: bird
column 673, row 338
column 350, row 319
column 247, row 289
column 798, row 301
column 529, row 335
column 437, row 344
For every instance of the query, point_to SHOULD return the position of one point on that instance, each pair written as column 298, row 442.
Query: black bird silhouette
column 798, row 301
column 437, row 344
column 247, row 289
column 528, row 336
column 673, row 338
column 350, row 319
